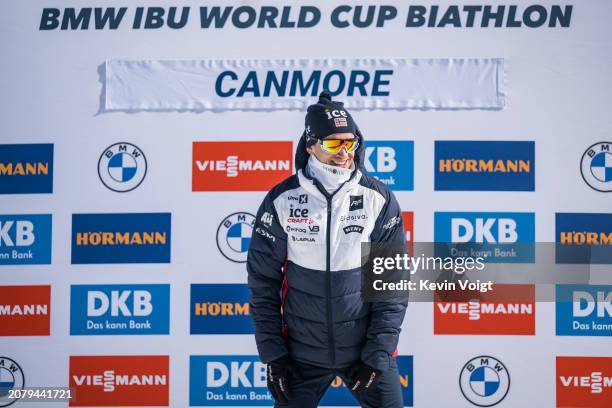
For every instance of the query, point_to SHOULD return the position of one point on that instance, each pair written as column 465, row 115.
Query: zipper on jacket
column 330, row 322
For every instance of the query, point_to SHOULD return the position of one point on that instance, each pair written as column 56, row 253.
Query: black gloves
column 362, row 377
column 279, row 382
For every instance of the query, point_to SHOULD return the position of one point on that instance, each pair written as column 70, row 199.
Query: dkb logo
column 391, row 162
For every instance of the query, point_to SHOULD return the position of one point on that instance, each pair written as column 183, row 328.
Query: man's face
column 341, row 159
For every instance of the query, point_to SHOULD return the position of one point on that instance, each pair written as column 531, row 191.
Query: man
column 304, row 260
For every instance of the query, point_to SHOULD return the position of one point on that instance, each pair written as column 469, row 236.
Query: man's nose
column 342, row 152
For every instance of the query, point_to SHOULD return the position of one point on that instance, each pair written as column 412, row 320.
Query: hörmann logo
column 584, row 310
column 507, row 309
column 391, row 162
column 119, row 309
column 119, row 380
column 25, row 239
column 583, row 238
column 220, row 309
column 25, row 310
column 241, row 381
column 121, row 238
column 26, row 168
column 484, row 166
column 499, row 237
column 584, row 381
column 240, row 166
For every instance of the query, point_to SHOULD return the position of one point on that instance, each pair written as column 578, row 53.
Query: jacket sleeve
column 385, row 317
column 265, row 262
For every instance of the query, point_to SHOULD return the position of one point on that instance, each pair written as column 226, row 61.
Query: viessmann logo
column 507, row 309
column 485, row 165
column 119, row 380
column 25, row 310
column 584, row 382
column 121, row 238
column 25, row 239
column 241, row 381
column 583, row 238
column 220, row 309
column 240, row 166
column 26, row 168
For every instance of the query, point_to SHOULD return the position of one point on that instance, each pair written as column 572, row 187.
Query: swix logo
column 25, row 310
column 240, row 166
column 584, row 381
column 119, row 380
column 507, row 309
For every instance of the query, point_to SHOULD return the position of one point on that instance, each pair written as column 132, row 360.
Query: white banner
column 367, row 83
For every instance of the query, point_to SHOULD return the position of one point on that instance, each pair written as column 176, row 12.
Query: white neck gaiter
column 331, row 177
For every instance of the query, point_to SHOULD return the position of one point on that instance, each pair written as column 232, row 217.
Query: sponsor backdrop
column 127, row 206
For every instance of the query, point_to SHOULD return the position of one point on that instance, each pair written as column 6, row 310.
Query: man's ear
column 310, row 150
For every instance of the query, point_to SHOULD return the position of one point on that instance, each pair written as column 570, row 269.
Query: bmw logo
column 234, row 236
column 11, row 378
column 484, row 381
column 122, row 167
column 596, row 166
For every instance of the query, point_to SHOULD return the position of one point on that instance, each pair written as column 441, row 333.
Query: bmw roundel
column 596, row 166
column 234, row 236
column 122, row 167
column 484, row 381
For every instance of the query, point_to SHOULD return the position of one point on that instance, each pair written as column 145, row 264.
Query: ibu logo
column 25, row 239
column 119, row 309
column 391, row 162
column 584, row 310
column 495, row 236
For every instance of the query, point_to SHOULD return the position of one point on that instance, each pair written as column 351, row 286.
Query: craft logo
column 241, row 381
column 220, row 309
column 391, row 162
column 26, row 168
column 119, row 309
column 25, row 310
column 356, row 203
column 338, row 396
column 584, row 310
column 240, row 166
column 121, row 238
column 234, row 236
column 484, row 166
column 583, row 238
column 122, row 167
column 498, row 237
column 11, row 378
column 103, row 381
column 25, row 239
column 596, row 167
column 584, row 382
column 484, row 381
column 507, row 309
